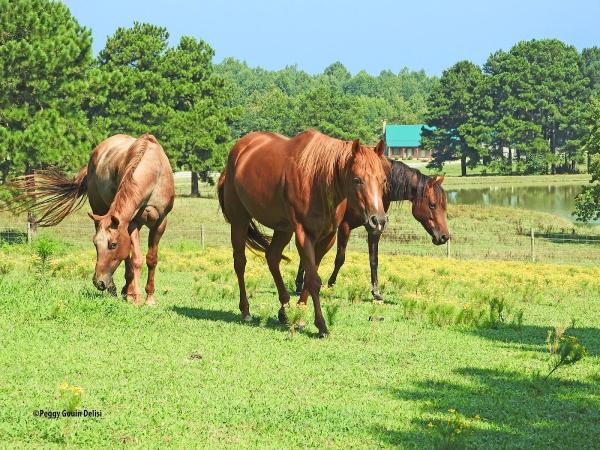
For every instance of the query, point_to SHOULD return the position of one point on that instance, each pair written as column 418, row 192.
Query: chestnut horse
column 298, row 185
column 428, row 207
column 129, row 184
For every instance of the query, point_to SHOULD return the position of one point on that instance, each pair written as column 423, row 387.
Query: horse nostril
column 444, row 238
column 100, row 285
column 374, row 221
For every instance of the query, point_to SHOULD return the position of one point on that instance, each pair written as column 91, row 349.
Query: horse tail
column 49, row 194
column 256, row 240
column 221, row 192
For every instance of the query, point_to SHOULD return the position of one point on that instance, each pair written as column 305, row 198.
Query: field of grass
column 189, row 373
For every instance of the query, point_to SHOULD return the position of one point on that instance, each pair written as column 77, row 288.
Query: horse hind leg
column 239, row 233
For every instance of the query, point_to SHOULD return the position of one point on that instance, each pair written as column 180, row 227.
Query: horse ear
column 438, row 179
column 380, row 148
column 114, row 222
column 355, row 146
column 95, row 217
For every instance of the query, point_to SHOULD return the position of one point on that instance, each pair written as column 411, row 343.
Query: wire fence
column 566, row 247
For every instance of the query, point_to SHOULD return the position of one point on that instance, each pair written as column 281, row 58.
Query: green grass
column 189, row 373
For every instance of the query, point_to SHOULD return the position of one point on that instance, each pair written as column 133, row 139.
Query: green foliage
column 331, row 312
column 171, row 92
column 44, row 84
column 587, row 203
column 453, row 112
column 289, row 101
column 564, row 350
column 450, row 433
column 296, row 317
column 45, row 248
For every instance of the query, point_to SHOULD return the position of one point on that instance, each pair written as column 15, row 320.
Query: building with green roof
column 404, row 141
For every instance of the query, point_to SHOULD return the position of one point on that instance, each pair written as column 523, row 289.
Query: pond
column 558, row 199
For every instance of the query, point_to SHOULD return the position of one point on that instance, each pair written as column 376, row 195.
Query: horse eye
column 112, row 245
column 432, row 206
column 357, row 180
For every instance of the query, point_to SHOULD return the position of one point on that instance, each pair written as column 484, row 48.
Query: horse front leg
column 340, row 256
column 374, row 263
column 274, row 255
column 311, row 256
column 127, row 290
column 154, row 236
column 136, row 265
column 299, row 279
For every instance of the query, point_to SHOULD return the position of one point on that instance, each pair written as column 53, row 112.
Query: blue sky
column 370, row 35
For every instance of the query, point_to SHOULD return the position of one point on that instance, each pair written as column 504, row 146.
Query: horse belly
column 260, row 189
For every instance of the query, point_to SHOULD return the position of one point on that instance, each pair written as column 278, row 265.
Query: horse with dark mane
column 428, row 207
column 129, row 184
column 300, row 185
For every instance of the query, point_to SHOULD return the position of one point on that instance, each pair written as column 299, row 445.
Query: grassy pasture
column 188, row 373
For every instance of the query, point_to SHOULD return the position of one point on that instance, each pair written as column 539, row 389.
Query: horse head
column 430, row 210
column 113, row 245
column 366, row 185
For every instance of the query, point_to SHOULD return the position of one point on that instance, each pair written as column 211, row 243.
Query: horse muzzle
column 376, row 224
column 105, row 285
column 440, row 240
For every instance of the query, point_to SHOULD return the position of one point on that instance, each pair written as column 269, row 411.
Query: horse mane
column 128, row 189
column 401, row 186
column 324, row 156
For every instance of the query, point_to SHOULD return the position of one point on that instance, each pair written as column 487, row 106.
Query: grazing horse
column 428, row 207
column 129, row 184
column 298, row 185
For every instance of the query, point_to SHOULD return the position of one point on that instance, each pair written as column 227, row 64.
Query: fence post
column 202, row 235
column 532, row 245
column 29, row 232
column 448, row 248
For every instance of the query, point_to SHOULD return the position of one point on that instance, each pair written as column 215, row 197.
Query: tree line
column 531, row 109
column 57, row 101
column 526, row 110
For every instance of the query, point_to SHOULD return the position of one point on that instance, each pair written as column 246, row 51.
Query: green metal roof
column 403, row 135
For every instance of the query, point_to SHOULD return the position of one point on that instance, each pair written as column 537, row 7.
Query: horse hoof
column 300, row 326
column 323, row 334
column 378, row 301
column 282, row 317
column 331, row 283
column 377, row 296
column 247, row 318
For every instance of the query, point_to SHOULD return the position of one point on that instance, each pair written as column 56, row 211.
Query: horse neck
column 404, row 182
column 129, row 197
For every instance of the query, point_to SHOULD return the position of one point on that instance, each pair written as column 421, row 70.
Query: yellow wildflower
column 452, row 410
column 64, row 386
column 430, row 425
column 77, row 390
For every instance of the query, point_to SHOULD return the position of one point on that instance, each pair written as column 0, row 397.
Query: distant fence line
column 534, row 246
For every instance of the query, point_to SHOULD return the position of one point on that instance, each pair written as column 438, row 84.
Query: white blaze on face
column 376, row 200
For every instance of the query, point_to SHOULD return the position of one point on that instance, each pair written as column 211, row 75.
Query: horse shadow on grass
column 231, row 317
column 514, row 411
column 533, row 337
